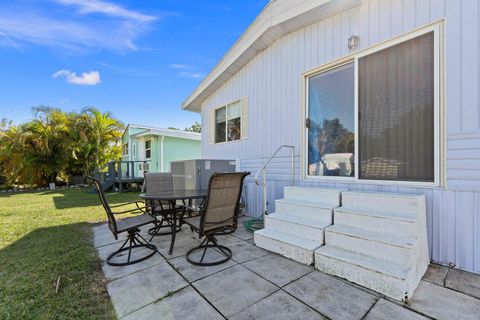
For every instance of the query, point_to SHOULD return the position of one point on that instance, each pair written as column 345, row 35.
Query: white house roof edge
column 165, row 132
column 270, row 24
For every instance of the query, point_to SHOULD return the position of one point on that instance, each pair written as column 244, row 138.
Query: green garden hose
column 253, row 225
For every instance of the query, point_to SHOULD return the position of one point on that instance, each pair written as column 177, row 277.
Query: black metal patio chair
column 129, row 225
column 218, row 216
column 154, row 182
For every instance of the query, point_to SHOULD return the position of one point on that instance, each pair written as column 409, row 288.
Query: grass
column 46, row 235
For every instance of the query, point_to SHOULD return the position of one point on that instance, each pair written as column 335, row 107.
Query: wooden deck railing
column 119, row 171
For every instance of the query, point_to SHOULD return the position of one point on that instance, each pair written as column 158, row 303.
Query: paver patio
column 256, row 284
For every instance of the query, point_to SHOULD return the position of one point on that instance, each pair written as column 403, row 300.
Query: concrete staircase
column 379, row 241
column 296, row 228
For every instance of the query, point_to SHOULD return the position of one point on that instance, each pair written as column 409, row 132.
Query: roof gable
column 277, row 19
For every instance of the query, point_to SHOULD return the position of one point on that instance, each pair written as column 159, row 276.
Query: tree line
column 57, row 145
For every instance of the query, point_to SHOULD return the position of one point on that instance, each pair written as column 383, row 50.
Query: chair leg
column 209, row 242
column 134, row 240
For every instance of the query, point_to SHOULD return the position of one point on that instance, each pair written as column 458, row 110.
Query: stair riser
column 385, row 284
column 319, row 214
column 375, row 224
column 379, row 202
column 298, row 254
column 398, row 255
column 313, row 194
column 302, row 231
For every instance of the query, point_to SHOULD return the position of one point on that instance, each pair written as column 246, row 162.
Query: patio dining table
column 172, row 197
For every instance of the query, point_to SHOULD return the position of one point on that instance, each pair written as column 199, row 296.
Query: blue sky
column 138, row 59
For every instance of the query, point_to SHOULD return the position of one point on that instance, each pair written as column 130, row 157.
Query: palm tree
column 56, row 144
column 101, row 133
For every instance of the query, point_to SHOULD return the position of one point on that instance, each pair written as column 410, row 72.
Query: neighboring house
column 154, row 148
column 388, row 90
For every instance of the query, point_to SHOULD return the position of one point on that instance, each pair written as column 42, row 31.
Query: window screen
column 396, row 112
column 228, row 122
column 233, row 121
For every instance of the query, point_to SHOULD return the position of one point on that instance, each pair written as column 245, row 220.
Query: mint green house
column 154, row 148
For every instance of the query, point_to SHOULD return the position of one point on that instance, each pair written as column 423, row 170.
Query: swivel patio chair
column 155, row 182
column 218, row 216
column 129, row 225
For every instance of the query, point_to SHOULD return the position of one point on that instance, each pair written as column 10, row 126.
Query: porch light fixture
column 353, row 42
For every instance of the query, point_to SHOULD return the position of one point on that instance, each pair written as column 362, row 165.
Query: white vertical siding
column 272, row 82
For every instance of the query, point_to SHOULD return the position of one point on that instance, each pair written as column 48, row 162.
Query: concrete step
column 311, row 229
column 296, row 248
column 383, row 221
column 389, row 279
column 307, row 209
column 327, row 196
column 383, row 201
column 391, row 248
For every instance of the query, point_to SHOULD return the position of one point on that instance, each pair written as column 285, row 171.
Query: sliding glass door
column 331, row 122
column 396, row 112
column 377, row 117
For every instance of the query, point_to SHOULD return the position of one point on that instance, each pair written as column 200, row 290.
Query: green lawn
column 43, row 236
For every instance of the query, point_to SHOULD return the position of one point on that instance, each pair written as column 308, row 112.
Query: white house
column 374, row 95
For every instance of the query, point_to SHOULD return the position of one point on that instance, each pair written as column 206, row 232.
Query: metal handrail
column 263, row 170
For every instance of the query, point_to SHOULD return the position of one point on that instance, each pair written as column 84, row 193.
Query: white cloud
column 90, row 78
column 61, row 73
column 107, row 8
column 116, row 29
column 193, row 75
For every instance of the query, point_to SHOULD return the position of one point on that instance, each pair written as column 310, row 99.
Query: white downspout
column 161, row 153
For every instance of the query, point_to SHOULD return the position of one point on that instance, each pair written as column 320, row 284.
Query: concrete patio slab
column 278, row 306
column 184, row 241
column 385, row 310
column 234, row 289
column 112, row 273
column 185, row 304
column 103, row 236
column 244, row 251
column 463, row 281
column 436, row 273
column 241, row 233
column 144, row 287
column 277, row 269
column 331, row 297
column 193, row 273
column 442, row 303
column 227, row 239
column 154, row 289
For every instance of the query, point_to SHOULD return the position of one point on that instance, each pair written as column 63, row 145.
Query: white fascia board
column 277, row 19
column 170, row 133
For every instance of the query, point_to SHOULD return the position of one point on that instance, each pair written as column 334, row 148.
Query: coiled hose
column 253, row 225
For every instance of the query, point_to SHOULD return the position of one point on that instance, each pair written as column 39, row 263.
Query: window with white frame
column 125, row 149
column 228, row 122
column 148, row 149
column 377, row 116
column 134, row 150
